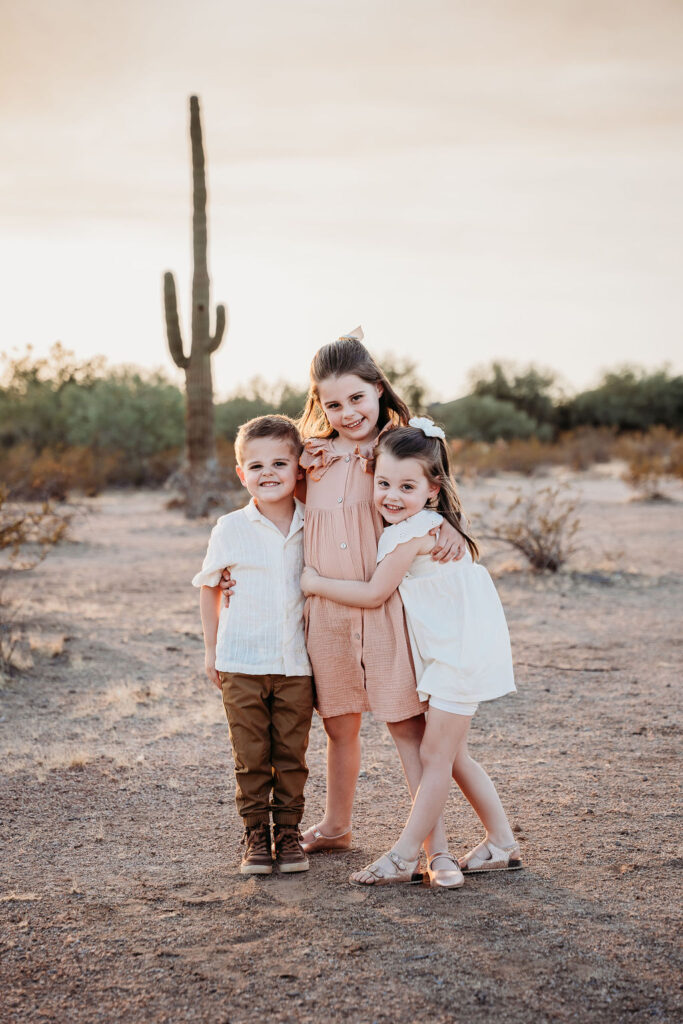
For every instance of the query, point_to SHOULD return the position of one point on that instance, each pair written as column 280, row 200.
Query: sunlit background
column 468, row 181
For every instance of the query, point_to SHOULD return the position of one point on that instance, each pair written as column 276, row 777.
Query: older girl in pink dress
column 361, row 658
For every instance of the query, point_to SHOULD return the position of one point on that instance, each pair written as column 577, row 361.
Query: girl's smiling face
column 402, row 487
column 351, row 405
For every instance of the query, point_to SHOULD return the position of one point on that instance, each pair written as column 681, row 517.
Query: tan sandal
column 390, row 869
column 319, row 842
column 445, row 878
column 487, row 857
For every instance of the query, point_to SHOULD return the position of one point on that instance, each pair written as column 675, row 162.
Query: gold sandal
column 390, row 869
column 445, row 878
column 487, row 857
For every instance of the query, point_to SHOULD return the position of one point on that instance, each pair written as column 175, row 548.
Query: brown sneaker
column 258, row 857
column 289, row 854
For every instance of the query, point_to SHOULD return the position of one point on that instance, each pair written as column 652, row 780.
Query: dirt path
column 120, row 899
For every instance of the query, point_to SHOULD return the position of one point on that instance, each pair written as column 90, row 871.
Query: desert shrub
column 531, row 390
column 67, row 426
column 578, row 449
column 26, row 536
column 55, row 472
column 586, row 446
column 541, row 523
column 56, row 403
column 516, row 456
column 258, row 398
column 651, row 460
column 629, row 399
column 404, row 375
column 484, row 418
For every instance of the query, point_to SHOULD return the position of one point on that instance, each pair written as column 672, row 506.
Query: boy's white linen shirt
column 262, row 631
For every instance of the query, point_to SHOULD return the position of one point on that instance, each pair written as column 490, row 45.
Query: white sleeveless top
column 457, row 628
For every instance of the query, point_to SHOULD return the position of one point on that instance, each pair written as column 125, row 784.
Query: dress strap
column 414, row 526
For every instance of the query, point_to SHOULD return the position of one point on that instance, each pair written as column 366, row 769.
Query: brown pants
column 269, row 718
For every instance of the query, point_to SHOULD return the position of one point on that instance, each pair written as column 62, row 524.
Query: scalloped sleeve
column 415, row 526
column 317, row 456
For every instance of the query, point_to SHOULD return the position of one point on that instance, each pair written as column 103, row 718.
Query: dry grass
column 652, row 460
column 578, row 450
column 46, row 646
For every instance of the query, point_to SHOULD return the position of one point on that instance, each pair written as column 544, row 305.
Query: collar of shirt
column 252, row 512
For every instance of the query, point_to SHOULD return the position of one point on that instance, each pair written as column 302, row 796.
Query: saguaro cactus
column 200, row 438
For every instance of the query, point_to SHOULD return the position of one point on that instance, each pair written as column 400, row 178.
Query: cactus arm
column 175, row 339
column 216, row 338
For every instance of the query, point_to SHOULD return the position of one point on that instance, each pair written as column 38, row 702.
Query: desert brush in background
column 68, row 426
column 27, row 533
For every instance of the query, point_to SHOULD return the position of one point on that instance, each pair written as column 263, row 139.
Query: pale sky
column 469, row 181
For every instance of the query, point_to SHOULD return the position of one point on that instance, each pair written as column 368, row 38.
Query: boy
column 255, row 649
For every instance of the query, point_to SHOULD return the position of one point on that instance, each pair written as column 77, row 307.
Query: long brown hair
column 412, row 443
column 347, row 355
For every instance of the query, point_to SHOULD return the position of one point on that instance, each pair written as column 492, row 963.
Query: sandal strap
column 377, row 871
column 448, row 856
column 487, row 851
column 399, row 862
column 317, row 834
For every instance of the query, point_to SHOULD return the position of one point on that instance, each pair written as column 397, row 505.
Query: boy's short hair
column 276, row 426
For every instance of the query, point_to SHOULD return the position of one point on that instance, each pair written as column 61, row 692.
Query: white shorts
column 454, row 707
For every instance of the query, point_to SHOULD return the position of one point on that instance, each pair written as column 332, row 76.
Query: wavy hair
column 432, row 452
column 347, row 355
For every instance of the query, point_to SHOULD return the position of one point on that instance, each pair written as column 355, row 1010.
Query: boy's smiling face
column 269, row 469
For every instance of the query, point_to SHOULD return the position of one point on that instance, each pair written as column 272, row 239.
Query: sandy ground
column 120, row 897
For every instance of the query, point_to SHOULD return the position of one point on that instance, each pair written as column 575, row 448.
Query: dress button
column 340, row 500
column 343, row 546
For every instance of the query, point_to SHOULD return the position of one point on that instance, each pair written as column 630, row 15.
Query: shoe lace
column 257, row 840
column 288, row 841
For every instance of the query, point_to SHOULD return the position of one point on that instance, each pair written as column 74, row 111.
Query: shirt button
column 340, row 500
column 357, row 636
column 343, row 546
column 347, row 459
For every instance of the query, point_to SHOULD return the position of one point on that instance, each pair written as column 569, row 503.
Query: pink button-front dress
column 361, row 657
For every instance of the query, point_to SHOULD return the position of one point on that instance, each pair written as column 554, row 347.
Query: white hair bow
column 427, row 427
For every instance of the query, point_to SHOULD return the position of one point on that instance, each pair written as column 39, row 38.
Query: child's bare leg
column 444, row 734
column 479, row 791
column 343, row 765
column 407, row 735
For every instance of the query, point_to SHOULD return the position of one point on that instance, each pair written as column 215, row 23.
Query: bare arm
column 300, row 489
column 210, row 606
column 376, row 591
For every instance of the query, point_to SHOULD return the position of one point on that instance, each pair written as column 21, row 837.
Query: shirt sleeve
column 399, row 533
column 219, row 554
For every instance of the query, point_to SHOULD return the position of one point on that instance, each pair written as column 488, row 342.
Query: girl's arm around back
column 210, row 607
column 376, row 591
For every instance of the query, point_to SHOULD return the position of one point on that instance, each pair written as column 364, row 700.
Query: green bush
column 258, row 399
column 629, row 399
column 531, row 390
column 483, row 418
column 54, row 403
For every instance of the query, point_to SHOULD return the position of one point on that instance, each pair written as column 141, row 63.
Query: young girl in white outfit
column 460, row 646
